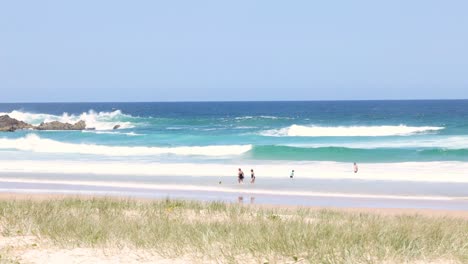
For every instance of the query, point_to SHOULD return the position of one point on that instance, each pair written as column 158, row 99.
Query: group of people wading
column 240, row 176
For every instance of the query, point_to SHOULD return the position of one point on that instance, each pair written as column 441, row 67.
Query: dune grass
column 231, row 233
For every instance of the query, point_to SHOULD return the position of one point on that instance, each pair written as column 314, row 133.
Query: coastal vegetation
column 232, row 233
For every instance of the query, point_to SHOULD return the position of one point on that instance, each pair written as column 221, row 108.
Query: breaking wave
column 35, row 143
column 261, row 117
column 449, row 142
column 112, row 133
column 348, row 131
column 96, row 120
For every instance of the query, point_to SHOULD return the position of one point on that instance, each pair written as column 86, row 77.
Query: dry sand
column 30, row 249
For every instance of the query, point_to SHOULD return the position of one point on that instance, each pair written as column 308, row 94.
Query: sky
column 97, row 51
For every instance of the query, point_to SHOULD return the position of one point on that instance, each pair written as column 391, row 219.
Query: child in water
column 252, row 176
column 355, row 168
column 292, row 174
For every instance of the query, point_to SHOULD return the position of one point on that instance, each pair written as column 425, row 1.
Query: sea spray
column 95, row 120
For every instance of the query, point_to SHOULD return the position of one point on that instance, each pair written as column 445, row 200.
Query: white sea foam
column 405, row 171
column 34, row 143
column 99, row 121
column 348, row 131
column 260, row 117
column 443, row 142
column 112, row 133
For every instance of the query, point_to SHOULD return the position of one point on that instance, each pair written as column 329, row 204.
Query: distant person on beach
column 292, row 174
column 252, row 176
column 240, row 176
column 355, row 168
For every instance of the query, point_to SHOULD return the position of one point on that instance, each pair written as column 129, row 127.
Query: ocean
column 341, row 131
column 409, row 153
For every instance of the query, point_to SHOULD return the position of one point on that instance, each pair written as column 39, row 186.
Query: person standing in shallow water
column 292, row 174
column 252, row 176
column 355, row 168
column 240, row 176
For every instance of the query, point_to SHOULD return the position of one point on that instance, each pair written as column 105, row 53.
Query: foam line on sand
column 451, row 172
column 241, row 190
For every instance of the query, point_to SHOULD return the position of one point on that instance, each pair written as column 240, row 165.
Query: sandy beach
column 392, row 207
column 29, row 246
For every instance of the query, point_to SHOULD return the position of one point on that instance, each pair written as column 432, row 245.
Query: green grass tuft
column 223, row 232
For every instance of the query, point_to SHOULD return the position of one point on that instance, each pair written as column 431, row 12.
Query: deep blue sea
column 343, row 131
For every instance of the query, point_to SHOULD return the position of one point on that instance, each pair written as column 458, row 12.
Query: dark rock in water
column 8, row 124
column 116, row 127
column 80, row 125
column 56, row 125
column 91, row 128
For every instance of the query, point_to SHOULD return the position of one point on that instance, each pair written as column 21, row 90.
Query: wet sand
column 267, row 191
column 381, row 211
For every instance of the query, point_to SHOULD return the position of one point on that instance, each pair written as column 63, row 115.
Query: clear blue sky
column 232, row 50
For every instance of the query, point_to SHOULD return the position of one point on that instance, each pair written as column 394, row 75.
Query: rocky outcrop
column 10, row 124
column 80, row 125
column 116, row 127
column 56, row 125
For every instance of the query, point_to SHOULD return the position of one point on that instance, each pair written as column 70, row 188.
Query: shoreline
column 267, row 190
column 434, row 171
column 245, row 189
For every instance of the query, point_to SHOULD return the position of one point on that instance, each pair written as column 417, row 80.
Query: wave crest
column 34, row 143
column 348, row 131
column 97, row 120
column 261, row 117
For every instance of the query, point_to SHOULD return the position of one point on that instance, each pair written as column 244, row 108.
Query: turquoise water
column 344, row 131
